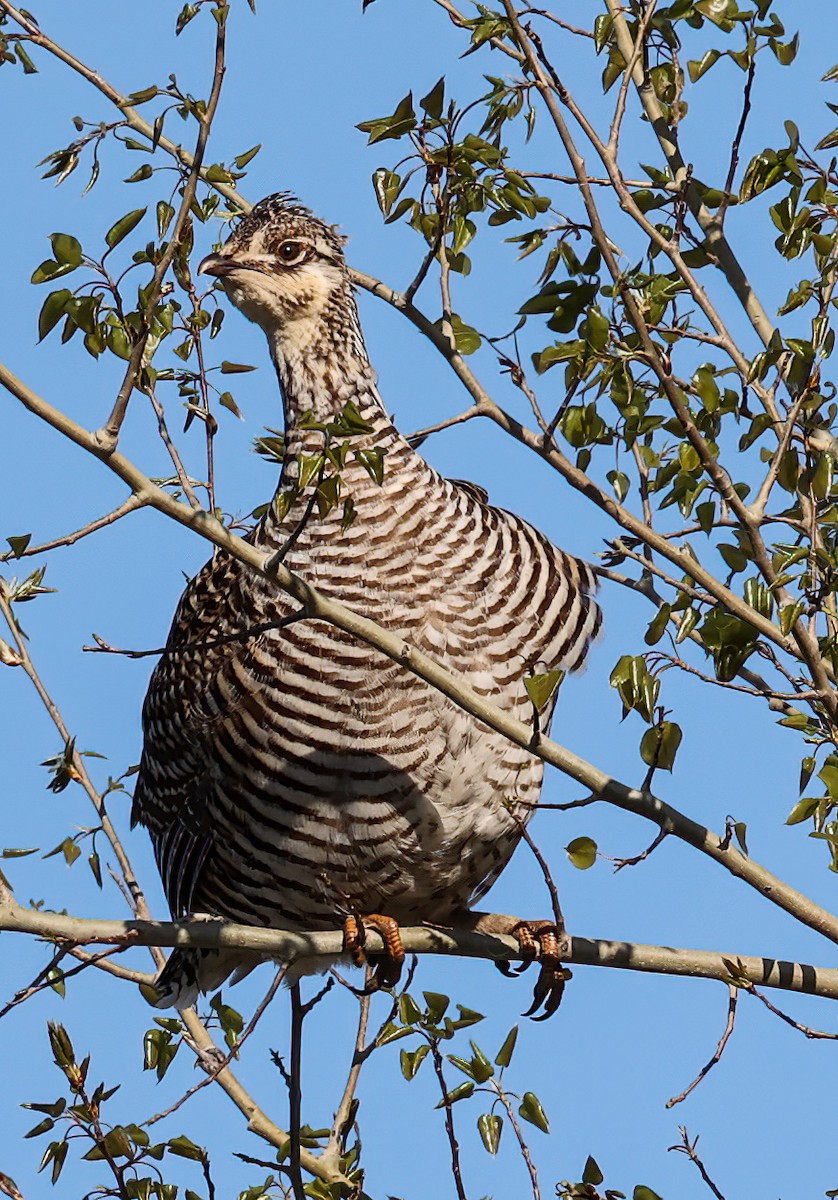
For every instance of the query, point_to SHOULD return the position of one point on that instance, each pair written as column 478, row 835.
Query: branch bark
column 464, row 943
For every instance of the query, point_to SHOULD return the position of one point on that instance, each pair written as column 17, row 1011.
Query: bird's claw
column 544, row 941
column 388, row 965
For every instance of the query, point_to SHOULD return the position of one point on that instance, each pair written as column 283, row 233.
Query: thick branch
column 464, row 943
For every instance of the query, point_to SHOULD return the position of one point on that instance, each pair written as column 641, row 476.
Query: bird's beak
column 216, row 264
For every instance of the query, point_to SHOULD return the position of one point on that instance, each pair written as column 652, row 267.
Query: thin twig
column 639, row 858
column 295, row 1094
column 69, row 539
column 234, row 1052
column 689, row 1148
column 103, row 647
column 453, row 1144
column 341, row 1123
column 733, row 995
column 416, row 439
column 806, row 1030
column 519, row 1134
column 108, row 435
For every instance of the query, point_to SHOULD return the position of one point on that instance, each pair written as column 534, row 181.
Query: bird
column 292, row 776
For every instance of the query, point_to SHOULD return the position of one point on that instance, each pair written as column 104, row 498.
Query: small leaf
column 540, row 688
column 432, row 103
column 52, row 311
column 592, row 1174
column 461, row 1092
column 185, row 1148
column 232, row 368
column 411, row 1061
column 143, row 172
column 490, row 1127
column 659, row 745
column 121, row 228
column 582, row 852
column 19, row 544
column 437, row 1004
column 66, row 248
column 807, row 807
column 241, row 160
column 504, row 1055
column 532, row 1111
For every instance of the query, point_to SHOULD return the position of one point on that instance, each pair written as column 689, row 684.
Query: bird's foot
column 546, row 942
column 388, row 965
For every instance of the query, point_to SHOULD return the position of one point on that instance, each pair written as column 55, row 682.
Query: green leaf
column 659, row 745
column 49, row 269
column 29, row 68
column 232, row 368
column 143, row 172
column 409, row 1010
column 504, row 1055
column 466, row 339
column 411, row 1061
column 461, row 1092
column 592, row 1174
column 437, row 1005
column 121, row 228
column 394, row 126
column 19, row 544
column 184, row 1147
column 432, row 103
column 52, row 311
column 481, row 1068
column 582, row 852
column 531, row 1110
column 700, row 67
column 241, row 160
column 66, row 248
column 226, row 401
column 490, row 1127
column 541, row 688
column 373, row 463
column 641, row 1192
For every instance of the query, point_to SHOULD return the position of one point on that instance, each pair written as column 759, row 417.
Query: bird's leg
column 541, row 940
column 388, row 965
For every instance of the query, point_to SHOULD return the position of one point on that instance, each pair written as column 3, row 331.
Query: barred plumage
column 295, row 774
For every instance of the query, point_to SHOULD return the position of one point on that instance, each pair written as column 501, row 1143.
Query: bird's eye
column 291, row 253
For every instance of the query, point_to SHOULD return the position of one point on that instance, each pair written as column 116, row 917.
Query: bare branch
column 689, row 1148
column 69, row 539
column 717, row 1053
column 490, row 940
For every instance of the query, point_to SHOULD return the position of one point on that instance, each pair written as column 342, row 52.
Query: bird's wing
column 185, row 703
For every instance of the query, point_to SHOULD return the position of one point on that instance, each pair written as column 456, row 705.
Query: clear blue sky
column 301, row 76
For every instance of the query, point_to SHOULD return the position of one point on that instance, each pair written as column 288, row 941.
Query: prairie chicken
column 292, row 775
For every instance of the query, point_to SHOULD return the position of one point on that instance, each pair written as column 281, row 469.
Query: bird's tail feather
column 188, row 972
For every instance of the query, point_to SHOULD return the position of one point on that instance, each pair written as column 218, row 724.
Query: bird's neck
column 318, row 376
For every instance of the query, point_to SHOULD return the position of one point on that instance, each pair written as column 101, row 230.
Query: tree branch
column 483, row 943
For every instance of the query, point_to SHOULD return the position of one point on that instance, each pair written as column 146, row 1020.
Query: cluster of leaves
column 127, row 1150
column 433, row 1028
column 614, row 402
column 319, row 472
column 587, row 1188
column 460, row 175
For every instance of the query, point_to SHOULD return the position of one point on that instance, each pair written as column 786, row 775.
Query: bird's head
column 285, row 269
